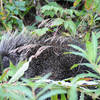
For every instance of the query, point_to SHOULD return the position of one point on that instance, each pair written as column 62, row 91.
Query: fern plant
column 12, row 13
column 61, row 16
column 91, row 54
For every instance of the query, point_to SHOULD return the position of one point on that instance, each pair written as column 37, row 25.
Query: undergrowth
column 14, row 87
column 53, row 18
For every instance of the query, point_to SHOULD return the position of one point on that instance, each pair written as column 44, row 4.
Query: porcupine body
column 48, row 52
column 52, row 58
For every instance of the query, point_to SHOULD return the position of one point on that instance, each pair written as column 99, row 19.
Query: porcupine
column 51, row 59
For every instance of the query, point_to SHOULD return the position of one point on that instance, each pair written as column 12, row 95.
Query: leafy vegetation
column 81, row 22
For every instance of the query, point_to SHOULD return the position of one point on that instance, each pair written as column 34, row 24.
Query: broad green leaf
column 55, row 97
column 20, row 23
column 82, row 96
column 70, row 26
column 63, row 97
column 12, row 70
column 97, row 92
column 95, row 45
column 91, row 48
column 16, row 12
column 19, row 73
column 69, row 12
column 87, row 36
column 49, row 13
column 52, row 93
column 22, row 91
column 57, row 22
column 73, row 92
column 66, row 24
column 78, row 48
column 22, row 8
column 52, row 9
column 11, row 8
column 39, row 18
column 41, row 31
column 97, row 6
column 78, row 54
column 98, row 35
column 74, row 66
column 97, row 19
column 20, row 3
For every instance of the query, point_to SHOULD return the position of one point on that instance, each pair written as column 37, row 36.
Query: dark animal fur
column 53, row 60
column 50, row 59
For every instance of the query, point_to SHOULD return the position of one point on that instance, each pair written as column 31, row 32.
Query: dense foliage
column 76, row 18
